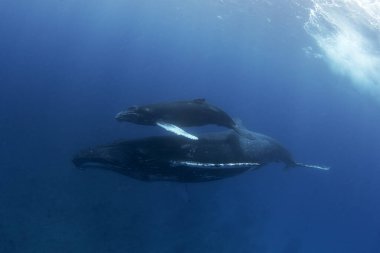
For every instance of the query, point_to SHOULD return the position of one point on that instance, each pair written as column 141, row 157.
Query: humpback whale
column 172, row 116
column 173, row 158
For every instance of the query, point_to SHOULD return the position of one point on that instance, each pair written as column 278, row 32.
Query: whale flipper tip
column 313, row 166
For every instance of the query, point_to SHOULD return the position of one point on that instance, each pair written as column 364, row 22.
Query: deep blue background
column 66, row 68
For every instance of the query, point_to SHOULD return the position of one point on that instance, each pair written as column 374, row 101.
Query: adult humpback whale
column 172, row 116
column 173, row 158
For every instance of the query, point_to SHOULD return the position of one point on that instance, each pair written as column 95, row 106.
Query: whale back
column 264, row 149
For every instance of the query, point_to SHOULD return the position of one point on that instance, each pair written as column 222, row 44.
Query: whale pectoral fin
column 201, row 165
column 313, row 166
column 175, row 129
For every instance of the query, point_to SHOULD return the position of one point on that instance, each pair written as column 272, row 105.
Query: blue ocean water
column 305, row 73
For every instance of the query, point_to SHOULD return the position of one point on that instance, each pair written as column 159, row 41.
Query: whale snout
column 119, row 116
column 94, row 158
column 137, row 115
column 85, row 157
column 126, row 116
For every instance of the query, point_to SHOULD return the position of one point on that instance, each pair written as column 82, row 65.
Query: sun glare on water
column 348, row 34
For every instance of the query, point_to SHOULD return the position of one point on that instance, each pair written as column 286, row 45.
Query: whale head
column 137, row 114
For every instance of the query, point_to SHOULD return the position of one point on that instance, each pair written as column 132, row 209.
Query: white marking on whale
column 177, row 130
column 213, row 165
column 313, row 166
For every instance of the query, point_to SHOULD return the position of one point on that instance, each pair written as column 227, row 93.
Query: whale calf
column 173, row 158
column 172, row 116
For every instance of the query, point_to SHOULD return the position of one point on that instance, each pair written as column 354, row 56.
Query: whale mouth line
column 193, row 164
column 125, row 115
column 85, row 163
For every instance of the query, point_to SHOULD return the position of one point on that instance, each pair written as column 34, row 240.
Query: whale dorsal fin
column 199, row 100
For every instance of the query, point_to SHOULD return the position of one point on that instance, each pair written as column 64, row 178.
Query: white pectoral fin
column 232, row 165
column 175, row 129
column 313, row 166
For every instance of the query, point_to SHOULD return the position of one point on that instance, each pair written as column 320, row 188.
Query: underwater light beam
column 348, row 34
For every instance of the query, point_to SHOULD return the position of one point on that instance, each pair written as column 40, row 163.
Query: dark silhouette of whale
column 173, row 158
column 174, row 115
